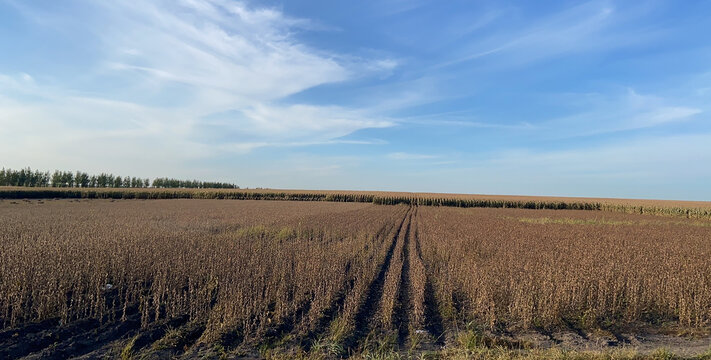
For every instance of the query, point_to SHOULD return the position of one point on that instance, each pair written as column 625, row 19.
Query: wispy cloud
column 465, row 96
column 246, row 147
column 410, row 156
column 177, row 64
column 443, row 120
column 223, row 47
column 616, row 112
column 590, row 26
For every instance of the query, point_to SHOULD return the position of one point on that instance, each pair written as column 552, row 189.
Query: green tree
column 57, row 179
column 82, row 179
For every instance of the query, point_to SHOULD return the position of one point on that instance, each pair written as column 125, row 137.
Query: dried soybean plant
column 243, row 267
column 492, row 268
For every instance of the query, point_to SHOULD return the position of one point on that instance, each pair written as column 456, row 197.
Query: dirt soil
column 644, row 341
column 177, row 338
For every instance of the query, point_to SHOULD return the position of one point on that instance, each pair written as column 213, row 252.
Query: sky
column 600, row 98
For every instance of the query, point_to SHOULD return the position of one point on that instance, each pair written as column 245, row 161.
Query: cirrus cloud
column 163, row 76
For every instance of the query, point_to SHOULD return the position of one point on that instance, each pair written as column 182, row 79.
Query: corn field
column 686, row 209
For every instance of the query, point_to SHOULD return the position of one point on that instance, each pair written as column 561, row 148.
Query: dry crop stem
column 418, row 278
column 356, row 322
column 328, row 279
column 393, row 277
column 244, row 279
column 500, row 272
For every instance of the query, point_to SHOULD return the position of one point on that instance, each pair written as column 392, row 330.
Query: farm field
column 195, row 278
column 688, row 209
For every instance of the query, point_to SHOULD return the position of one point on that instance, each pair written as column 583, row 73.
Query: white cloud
column 174, row 65
column 27, row 77
column 590, row 26
column 246, row 55
column 409, row 156
column 443, row 120
column 615, row 112
column 299, row 121
column 664, row 115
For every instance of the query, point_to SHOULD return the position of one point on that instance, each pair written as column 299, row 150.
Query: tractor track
column 404, row 303
column 365, row 316
column 333, row 311
column 432, row 318
column 402, row 260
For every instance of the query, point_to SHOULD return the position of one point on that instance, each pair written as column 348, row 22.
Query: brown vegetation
column 327, row 279
column 684, row 209
column 496, row 270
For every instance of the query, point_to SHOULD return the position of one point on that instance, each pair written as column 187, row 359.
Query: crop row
column 381, row 198
column 498, row 273
column 246, row 274
column 340, row 278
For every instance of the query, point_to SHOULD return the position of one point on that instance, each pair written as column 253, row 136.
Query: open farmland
column 687, row 209
column 328, row 279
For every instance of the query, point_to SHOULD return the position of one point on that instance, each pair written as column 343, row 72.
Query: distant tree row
column 36, row 178
column 24, row 177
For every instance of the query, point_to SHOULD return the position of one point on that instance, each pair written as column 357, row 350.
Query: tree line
column 35, row 178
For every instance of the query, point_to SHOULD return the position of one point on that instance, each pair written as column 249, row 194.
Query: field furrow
column 426, row 314
column 393, row 281
column 365, row 317
column 327, row 318
column 404, row 305
column 326, row 280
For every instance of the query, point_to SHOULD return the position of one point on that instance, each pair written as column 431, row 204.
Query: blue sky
column 597, row 98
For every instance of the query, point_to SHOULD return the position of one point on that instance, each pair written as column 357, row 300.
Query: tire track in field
column 331, row 313
column 365, row 316
column 287, row 323
column 404, row 299
column 432, row 318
